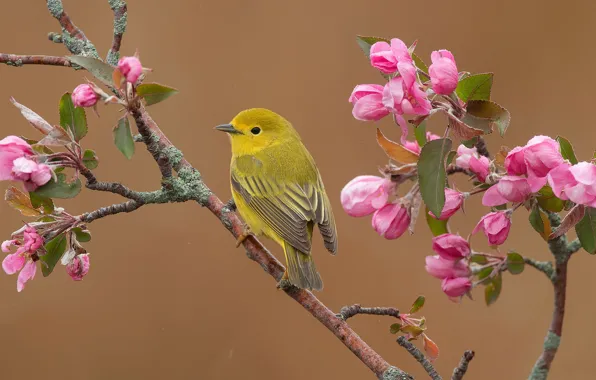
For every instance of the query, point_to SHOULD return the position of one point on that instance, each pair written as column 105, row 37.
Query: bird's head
column 257, row 128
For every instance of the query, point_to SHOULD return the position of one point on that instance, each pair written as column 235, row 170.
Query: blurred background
column 168, row 295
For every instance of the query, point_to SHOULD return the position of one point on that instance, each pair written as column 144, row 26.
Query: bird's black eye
column 255, row 130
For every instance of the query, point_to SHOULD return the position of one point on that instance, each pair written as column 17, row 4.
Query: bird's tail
column 301, row 269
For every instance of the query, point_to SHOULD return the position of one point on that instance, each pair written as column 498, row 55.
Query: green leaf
column 471, row 142
column 515, row 263
column 54, row 250
column 83, row 236
column 420, row 133
column 20, row 202
column 431, row 174
column 493, row 290
column 366, row 42
column 450, row 157
column 38, row 201
column 71, row 118
column 60, row 188
column 484, row 275
column 90, row 159
column 412, row 330
column 394, row 328
column 491, row 112
column 478, row 259
column 437, row 227
column 548, row 201
column 417, row 305
column 475, row 87
column 586, row 230
column 539, row 221
column 97, row 68
column 567, row 150
column 419, row 63
column 154, row 92
column 123, row 138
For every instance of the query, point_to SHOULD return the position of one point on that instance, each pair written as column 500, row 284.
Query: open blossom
column 453, row 202
column 22, row 259
column 79, row 267
column 413, row 146
column 365, row 194
column 541, row 155
column 451, row 247
column 442, row 268
column 367, row 100
column 508, row 189
column 385, row 57
column 84, row 96
column 576, row 183
column 496, row 226
column 16, row 164
column 443, row 72
column 515, row 163
column 131, row 68
column 468, row 158
column 12, row 148
column 456, row 287
column 391, row 221
column 31, row 173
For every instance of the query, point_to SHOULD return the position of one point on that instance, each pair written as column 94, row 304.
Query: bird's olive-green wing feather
column 286, row 207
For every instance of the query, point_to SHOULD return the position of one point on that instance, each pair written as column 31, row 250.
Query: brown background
column 168, row 295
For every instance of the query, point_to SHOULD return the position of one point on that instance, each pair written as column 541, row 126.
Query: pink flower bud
column 12, row 148
column 515, row 162
column 131, row 68
column 84, row 96
column 79, row 267
column 367, row 100
column 365, row 194
column 508, row 189
column 541, row 155
column 576, row 183
column 456, row 287
column 453, row 202
column 31, row 173
column 451, row 247
column 382, row 57
column 442, row 268
column 496, row 226
column 468, row 158
column 413, row 146
column 443, row 72
column 391, row 221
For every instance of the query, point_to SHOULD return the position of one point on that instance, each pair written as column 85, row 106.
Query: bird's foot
column 284, row 283
column 243, row 236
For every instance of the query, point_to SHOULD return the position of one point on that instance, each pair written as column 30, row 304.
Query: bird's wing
column 286, row 208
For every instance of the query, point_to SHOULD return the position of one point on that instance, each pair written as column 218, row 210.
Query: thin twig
column 350, row 311
column 20, row 60
column 462, row 367
column 72, row 37
column 545, row 267
column 110, row 187
column 420, row 358
column 120, row 20
column 110, row 210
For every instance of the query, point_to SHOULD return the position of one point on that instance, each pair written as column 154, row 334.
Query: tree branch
column 545, row 267
column 350, row 311
column 20, row 60
column 72, row 37
column 111, row 210
column 419, row 356
column 462, row 367
column 120, row 20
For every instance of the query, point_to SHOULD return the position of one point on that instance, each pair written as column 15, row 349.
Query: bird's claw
column 243, row 236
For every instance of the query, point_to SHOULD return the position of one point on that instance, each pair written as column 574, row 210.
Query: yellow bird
column 278, row 190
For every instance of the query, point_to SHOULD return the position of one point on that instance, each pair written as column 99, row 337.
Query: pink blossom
column 365, row 194
column 367, row 100
column 385, row 57
column 541, row 155
column 442, row 268
column 443, row 72
column 456, row 287
column 451, row 247
column 413, row 146
column 515, row 163
column 31, row 173
column 508, row 189
column 22, row 259
column 468, row 158
column 79, row 267
column 131, row 68
column 576, row 183
column 391, row 221
column 496, row 226
column 84, row 96
column 453, row 202
column 12, row 148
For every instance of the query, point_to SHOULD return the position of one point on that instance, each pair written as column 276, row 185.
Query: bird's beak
column 228, row 128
